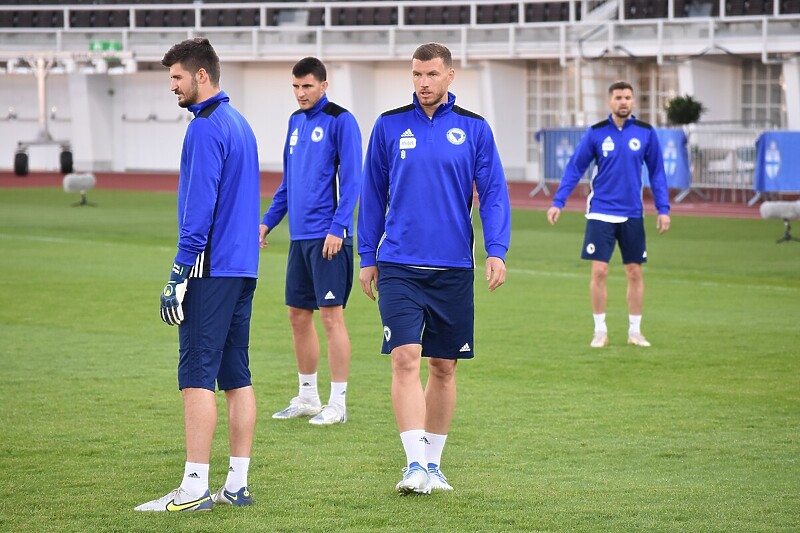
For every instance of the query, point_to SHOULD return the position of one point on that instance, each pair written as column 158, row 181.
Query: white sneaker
column 637, row 339
column 415, row 479
column 178, row 500
column 600, row 339
column 298, row 408
column 438, row 481
column 333, row 413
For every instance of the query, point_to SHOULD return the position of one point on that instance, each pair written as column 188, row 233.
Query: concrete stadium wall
column 132, row 122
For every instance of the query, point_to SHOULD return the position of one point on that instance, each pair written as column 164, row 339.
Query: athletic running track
column 721, row 203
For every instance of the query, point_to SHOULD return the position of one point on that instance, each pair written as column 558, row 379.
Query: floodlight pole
column 41, row 63
column 40, row 67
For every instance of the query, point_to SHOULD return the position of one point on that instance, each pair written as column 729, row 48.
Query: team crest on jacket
column 456, row 136
column 317, row 134
column 634, row 144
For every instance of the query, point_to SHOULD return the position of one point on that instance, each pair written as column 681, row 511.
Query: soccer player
column 321, row 180
column 415, row 240
column 618, row 145
column 209, row 294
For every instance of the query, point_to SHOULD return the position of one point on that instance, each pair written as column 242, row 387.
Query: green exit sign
column 105, row 46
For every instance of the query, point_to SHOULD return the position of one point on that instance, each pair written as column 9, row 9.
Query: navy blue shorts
column 215, row 333
column 313, row 281
column 601, row 237
column 435, row 308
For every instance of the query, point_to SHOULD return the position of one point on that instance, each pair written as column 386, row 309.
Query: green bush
column 684, row 110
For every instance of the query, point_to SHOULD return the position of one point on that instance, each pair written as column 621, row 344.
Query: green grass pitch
column 701, row 432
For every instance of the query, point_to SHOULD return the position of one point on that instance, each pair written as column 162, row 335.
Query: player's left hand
column 172, row 295
column 332, row 246
column 495, row 272
column 662, row 223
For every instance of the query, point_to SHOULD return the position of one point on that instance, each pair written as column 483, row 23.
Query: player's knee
column 442, row 369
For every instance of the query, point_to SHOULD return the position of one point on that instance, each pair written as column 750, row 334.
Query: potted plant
column 683, row 110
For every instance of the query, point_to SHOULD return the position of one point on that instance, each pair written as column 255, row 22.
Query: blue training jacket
column 322, row 174
column 416, row 202
column 616, row 189
column 219, row 193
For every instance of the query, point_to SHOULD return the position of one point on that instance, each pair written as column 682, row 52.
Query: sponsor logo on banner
column 670, row 155
column 772, row 160
column 564, row 151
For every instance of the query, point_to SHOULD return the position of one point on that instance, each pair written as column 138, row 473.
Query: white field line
column 525, row 272
column 63, row 240
column 671, row 281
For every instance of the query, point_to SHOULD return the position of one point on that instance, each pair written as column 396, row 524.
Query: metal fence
column 722, row 161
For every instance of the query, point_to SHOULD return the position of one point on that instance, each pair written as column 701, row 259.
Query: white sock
column 635, row 324
column 414, row 446
column 308, row 387
column 338, row 393
column 600, row 323
column 237, row 473
column 195, row 479
column 435, row 447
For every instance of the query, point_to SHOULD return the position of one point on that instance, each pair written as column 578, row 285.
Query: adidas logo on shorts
column 465, row 348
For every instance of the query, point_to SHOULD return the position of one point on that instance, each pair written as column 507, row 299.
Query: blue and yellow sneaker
column 178, row 500
column 240, row 497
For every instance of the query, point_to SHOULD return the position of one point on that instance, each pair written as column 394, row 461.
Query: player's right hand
column 553, row 214
column 172, row 295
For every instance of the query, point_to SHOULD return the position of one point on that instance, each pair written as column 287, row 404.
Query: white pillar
column 791, row 77
column 92, row 137
column 352, row 85
column 503, row 99
column 716, row 83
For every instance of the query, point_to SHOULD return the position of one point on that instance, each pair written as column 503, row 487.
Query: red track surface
column 518, row 191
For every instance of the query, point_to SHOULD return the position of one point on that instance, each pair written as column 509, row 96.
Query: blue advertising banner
column 559, row 144
column 676, row 159
column 778, row 162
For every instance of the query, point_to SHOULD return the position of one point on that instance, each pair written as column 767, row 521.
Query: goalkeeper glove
column 172, row 296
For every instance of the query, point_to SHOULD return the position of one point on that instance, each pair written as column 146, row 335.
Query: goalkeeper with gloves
column 209, row 295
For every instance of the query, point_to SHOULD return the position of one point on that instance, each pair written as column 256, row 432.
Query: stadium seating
column 31, row 19
column 164, row 18
column 548, row 12
column 119, row 18
column 645, row 9
column 361, row 16
column 497, row 14
column 735, row 8
column 230, row 17
column 696, row 8
column 111, row 15
column 436, row 15
column 789, row 7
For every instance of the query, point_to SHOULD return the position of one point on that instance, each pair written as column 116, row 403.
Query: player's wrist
column 179, row 272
